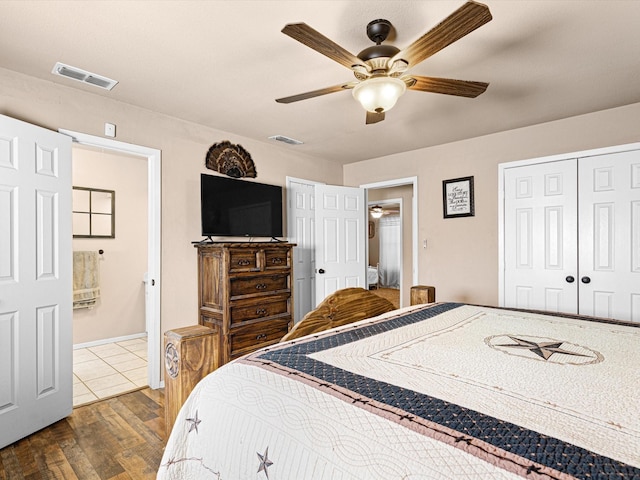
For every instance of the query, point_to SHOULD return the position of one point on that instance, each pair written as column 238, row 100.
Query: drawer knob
column 261, row 286
column 262, row 336
column 243, row 262
column 261, row 311
column 276, row 260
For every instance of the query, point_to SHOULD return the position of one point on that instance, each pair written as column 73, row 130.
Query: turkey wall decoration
column 231, row 160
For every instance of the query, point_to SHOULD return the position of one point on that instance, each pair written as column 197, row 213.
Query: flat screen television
column 238, row 208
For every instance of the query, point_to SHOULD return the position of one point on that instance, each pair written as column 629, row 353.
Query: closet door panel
column 609, row 219
column 541, row 236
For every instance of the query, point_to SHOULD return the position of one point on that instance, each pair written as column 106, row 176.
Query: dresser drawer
column 276, row 258
column 247, row 338
column 243, row 260
column 258, row 284
column 267, row 307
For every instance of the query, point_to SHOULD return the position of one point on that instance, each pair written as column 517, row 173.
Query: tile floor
column 107, row 370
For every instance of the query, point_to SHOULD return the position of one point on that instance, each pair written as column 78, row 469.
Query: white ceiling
column 223, row 64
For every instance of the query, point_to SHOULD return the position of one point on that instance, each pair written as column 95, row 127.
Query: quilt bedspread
column 430, row 392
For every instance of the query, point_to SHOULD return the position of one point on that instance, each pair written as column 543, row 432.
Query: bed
column 440, row 391
column 373, row 276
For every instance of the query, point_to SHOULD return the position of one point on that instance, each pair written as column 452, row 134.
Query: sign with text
column 457, row 197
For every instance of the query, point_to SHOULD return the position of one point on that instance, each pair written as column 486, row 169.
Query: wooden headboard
column 340, row 308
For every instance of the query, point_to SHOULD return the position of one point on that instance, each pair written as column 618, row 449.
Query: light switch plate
column 109, row 130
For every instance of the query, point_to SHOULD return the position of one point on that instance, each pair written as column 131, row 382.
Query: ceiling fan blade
column 317, row 93
column 448, row 86
column 463, row 21
column 321, row 44
column 373, row 117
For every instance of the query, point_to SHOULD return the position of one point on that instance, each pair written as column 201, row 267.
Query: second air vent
column 83, row 76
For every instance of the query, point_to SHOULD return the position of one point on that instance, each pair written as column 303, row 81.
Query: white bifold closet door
column 609, row 222
column 541, row 237
column 572, row 236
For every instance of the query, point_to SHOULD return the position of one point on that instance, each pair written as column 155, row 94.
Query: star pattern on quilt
column 543, row 349
column 265, row 463
column 193, row 423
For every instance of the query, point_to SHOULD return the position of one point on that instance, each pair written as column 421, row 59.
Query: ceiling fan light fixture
column 379, row 94
column 376, row 211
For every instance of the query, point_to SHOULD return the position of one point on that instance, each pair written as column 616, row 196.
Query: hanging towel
column 86, row 279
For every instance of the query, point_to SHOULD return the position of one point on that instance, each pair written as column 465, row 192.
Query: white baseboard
column 109, row 340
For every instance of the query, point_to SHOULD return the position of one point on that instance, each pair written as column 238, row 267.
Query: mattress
column 372, row 275
column 428, row 392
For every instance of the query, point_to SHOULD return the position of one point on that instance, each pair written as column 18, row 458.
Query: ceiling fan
column 378, row 211
column 380, row 70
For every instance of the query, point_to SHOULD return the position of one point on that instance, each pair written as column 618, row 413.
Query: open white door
column 35, row 279
column 300, row 230
column 341, row 258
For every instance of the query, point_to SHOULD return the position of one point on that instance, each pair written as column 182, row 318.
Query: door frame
column 152, row 308
column 533, row 161
column 399, row 182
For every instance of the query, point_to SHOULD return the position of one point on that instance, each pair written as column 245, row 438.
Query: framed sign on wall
column 457, row 197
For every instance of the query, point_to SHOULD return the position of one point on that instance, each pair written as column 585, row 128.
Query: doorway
column 405, row 189
column 385, row 252
column 152, row 290
column 110, row 241
column 328, row 225
column 301, row 230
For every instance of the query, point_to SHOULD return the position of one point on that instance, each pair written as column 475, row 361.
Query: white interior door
column 609, row 219
column 540, row 237
column 35, row 279
column 301, row 231
column 341, row 259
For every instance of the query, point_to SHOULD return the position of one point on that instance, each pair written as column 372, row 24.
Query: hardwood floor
column 121, row 438
column 391, row 294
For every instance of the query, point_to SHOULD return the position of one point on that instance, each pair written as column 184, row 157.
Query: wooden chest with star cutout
column 189, row 355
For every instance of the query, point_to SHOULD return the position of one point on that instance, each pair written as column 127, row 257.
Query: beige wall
column 461, row 258
column 120, row 311
column 405, row 192
column 183, row 147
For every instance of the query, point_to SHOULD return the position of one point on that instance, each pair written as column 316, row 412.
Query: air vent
column 282, row 138
column 83, row 76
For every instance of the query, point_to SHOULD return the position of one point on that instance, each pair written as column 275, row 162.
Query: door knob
column 585, row 280
column 321, row 270
column 570, row 279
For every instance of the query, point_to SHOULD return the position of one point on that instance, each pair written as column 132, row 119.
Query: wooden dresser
column 245, row 295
